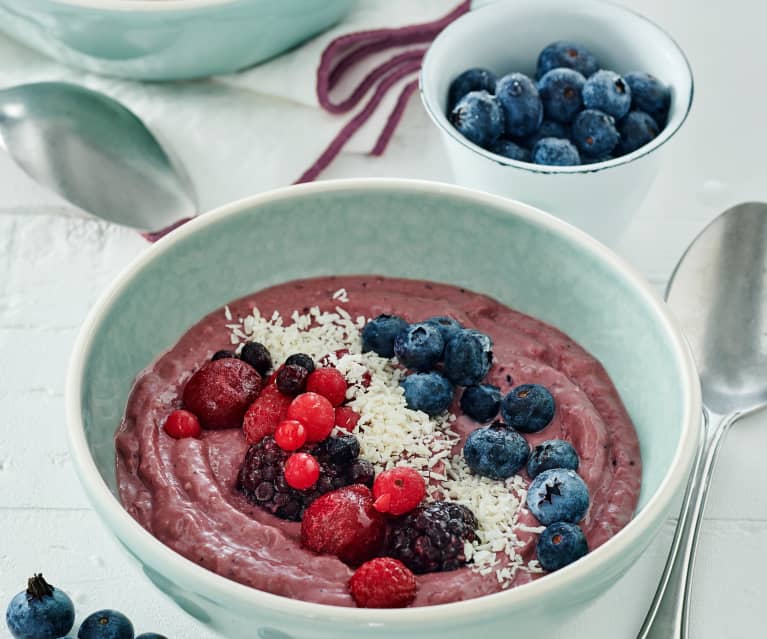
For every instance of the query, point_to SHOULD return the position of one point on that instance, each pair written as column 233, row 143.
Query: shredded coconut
column 391, row 434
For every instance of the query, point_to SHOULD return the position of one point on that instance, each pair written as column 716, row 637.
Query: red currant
column 346, row 418
column 181, row 424
column 328, row 382
column 302, row 471
column 316, row 414
column 290, row 434
column 399, row 490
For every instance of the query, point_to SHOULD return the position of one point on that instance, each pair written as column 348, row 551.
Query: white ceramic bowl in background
column 507, row 36
column 400, row 228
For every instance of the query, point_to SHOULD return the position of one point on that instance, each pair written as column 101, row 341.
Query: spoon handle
column 669, row 613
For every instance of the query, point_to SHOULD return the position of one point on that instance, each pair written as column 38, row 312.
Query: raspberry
column 290, row 435
column 328, row 382
column 345, row 524
column 383, row 582
column 301, row 471
column 399, row 490
column 315, row 413
column 291, row 379
column 263, row 416
column 432, row 537
column 182, row 423
column 221, row 391
column 346, row 418
column 262, row 477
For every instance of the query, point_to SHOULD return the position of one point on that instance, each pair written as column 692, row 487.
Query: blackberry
column 256, row 354
column 301, row 359
column 262, row 474
column 432, row 537
column 291, row 380
column 223, row 355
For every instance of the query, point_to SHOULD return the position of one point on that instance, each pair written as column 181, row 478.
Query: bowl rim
column 218, row 588
column 145, row 5
column 436, row 115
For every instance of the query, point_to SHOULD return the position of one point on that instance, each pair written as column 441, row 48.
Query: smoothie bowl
column 247, row 567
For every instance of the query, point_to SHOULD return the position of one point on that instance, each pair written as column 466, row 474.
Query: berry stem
column 37, row 587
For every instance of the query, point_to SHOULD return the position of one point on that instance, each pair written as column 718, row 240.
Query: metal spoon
column 95, row 153
column 718, row 291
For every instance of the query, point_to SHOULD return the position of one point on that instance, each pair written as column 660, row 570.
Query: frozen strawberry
column 383, row 583
column 328, row 382
column 398, row 490
column 346, row 418
column 265, row 414
column 344, row 523
column 221, row 391
column 316, row 414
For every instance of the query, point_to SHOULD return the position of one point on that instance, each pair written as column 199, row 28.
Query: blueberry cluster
column 45, row 612
column 441, row 353
column 262, row 474
column 574, row 113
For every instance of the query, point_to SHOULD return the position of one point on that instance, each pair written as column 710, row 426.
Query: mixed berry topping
column 224, row 355
column 432, row 538
column 302, row 471
column 496, row 451
column 560, row 544
column 344, row 523
column 558, row 494
column 257, row 356
column 399, row 490
column 554, row 453
column 529, row 121
column 291, row 379
column 347, row 418
column 265, row 413
column 528, row 408
column 181, row 423
column 329, row 383
column 316, row 413
column 383, row 582
column 301, row 359
column 290, row 435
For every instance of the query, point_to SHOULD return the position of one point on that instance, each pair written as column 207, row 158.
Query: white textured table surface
column 54, row 262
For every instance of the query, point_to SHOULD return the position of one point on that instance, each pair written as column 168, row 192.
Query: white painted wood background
column 54, row 262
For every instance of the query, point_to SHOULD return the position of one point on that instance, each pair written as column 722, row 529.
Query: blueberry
column 636, row 129
column 650, row 95
column 291, row 380
column 151, row 635
column 548, row 129
column 478, row 117
column 223, row 355
column 257, row 356
column 301, row 359
column 569, row 55
column 106, row 624
column 558, row 494
column 528, row 408
column 470, row 80
column 520, row 103
column 594, row 133
column 554, row 453
column 509, row 149
column 495, row 451
column 468, row 357
column 608, row 92
column 40, row 612
column 481, row 402
column 379, row 333
column 556, row 152
column 431, row 392
column 560, row 544
column 561, row 94
column 420, row 346
column 447, row 326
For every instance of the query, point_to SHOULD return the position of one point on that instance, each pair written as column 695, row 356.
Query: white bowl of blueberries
column 564, row 104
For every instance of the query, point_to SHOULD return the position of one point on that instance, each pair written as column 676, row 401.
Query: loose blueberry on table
column 529, row 121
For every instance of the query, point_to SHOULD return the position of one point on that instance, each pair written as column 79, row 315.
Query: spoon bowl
column 95, row 153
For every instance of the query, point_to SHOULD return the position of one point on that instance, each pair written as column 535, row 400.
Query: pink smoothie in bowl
column 185, row 491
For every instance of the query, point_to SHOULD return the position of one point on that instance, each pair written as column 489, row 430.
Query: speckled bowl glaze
column 506, row 36
column 166, row 39
column 523, row 257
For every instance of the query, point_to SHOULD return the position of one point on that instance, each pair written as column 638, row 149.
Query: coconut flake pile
column 391, row 434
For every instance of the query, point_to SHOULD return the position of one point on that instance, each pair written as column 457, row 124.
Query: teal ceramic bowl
column 521, row 256
column 166, row 39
